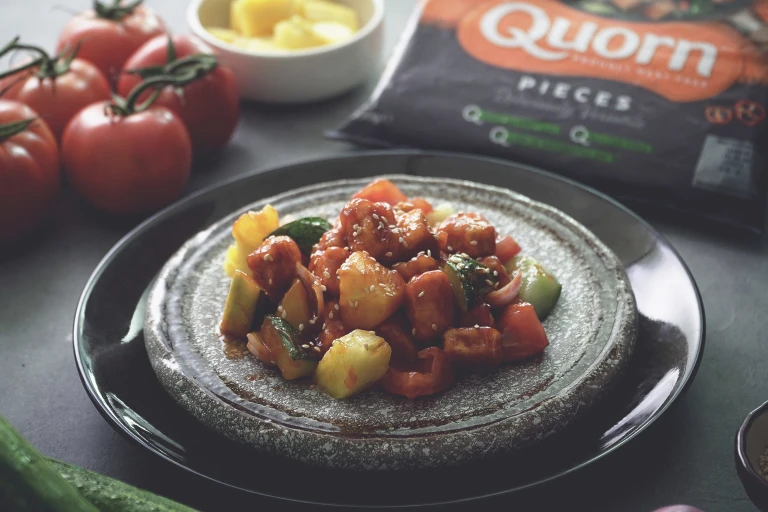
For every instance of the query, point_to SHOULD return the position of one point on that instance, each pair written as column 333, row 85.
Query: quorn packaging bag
column 657, row 102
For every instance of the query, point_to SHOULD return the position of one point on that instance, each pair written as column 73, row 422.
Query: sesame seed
column 375, row 216
column 356, row 226
column 434, row 327
column 473, row 242
column 388, row 254
column 365, row 346
column 495, row 273
column 490, row 283
column 460, row 266
column 316, row 349
column 371, row 288
column 301, row 327
column 283, row 315
column 270, row 280
column 413, row 331
column 381, row 225
column 305, row 346
column 312, row 321
column 392, row 226
column 267, row 257
column 421, row 293
column 354, row 234
column 323, row 287
column 326, row 274
column 401, row 239
column 351, row 303
column 477, row 326
column 450, row 249
column 382, row 285
column 330, row 315
column 429, row 252
column 362, row 271
column 357, row 303
column 279, row 308
column 336, row 307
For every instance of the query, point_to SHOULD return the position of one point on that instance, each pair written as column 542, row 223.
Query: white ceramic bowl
column 297, row 76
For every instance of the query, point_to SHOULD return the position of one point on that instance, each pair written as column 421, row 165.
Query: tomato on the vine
column 209, row 107
column 57, row 88
column 109, row 33
column 29, row 169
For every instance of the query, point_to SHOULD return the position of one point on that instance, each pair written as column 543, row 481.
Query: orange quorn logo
column 680, row 61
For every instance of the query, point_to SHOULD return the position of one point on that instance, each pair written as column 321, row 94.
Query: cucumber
column 111, row 495
column 29, row 482
column 285, row 343
column 240, row 307
column 306, row 232
column 539, row 288
column 470, row 280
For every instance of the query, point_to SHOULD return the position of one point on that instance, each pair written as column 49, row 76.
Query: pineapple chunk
column 236, row 260
column 296, row 34
column 332, row 32
column 320, row 10
column 353, row 363
column 253, row 18
column 224, row 34
column 439, row 214
column 368, row 292
column 251, row 228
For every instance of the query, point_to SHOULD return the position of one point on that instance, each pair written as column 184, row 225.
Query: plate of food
column 390, row 321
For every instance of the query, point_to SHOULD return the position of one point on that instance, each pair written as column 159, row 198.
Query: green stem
column 49, row 67
column 10, row 129
column 116, row 11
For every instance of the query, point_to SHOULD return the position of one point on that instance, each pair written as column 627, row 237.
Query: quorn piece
column 467, row 233
column 473, row 347
column 417, row 265
column 332, row 327
column 324, row 265
column 369, row 227
column 429, row 305
column 478, row 316
column 273, row 265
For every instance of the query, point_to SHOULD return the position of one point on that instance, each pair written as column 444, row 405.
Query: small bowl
column 751, row 443
column 298, row 76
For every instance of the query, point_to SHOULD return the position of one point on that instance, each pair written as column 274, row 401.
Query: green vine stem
column 48, row 67
column 115, row 11
column 10, row 129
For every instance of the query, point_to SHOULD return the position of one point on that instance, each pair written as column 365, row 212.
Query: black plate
column 113, row 364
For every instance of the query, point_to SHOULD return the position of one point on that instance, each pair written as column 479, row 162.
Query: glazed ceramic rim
column 106, row 411
column 741, row 445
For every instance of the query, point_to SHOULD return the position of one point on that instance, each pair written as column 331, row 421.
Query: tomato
column 29, row 170
column 422, row 204
column 209, row 107
column 108, row 35
column 58, row 98
column 432, row 374
column 507, row 248
column 522, row 335
column 126, row 164
column 382, row 191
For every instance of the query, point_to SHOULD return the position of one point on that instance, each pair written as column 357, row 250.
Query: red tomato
column 132, row 164
column 422, row 204
column 108, row 42
column 58, row 99
column 209, row 107
column 522, row 335
column 29, row 171
column 433, row 373
column 382, row 191
column 507, row 248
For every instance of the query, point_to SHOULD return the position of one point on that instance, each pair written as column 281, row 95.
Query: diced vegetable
column 29, row 482
column 429, row 305
column 474, row 347
column 506, row 294
column 294, row 308
column 468, row 233
column 470, row 280
column 439, row 214
column 432, row 373
column 496, row 267
column 368, row 291
column 522, row 335
column 478, row 316
column 314, row 289
column 305, row 232
column 296, row 33
column 397, row 333
column 382, row 191
column 288, row 350
column 353, row 363
column 257, row 17
column 240, row 307
column 538, row 287
column 507, row 248
column 257, row 347
column 417, row 265
column 321, row 10
column 273, row 265
column 251, row 228
column 236, row 260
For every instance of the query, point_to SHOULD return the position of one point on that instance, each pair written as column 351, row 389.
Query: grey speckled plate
column 592, row 333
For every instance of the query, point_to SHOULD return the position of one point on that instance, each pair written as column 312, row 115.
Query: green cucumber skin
column 29, row 482
column 291, row 339
column 468, row 282
column 110, row 495
column 306, row 232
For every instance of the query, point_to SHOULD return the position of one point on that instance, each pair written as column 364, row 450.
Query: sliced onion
column 506, row 294
column 314, row 291
column 257, row 347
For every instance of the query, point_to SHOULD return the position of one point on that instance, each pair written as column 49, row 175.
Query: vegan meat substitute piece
column 660, row 102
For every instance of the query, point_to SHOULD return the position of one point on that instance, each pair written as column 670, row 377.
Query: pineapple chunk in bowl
column 294, row 58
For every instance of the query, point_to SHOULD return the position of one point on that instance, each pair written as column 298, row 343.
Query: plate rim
column 112, row 419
